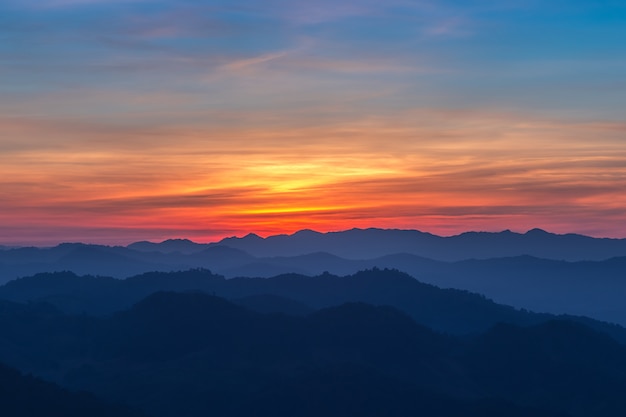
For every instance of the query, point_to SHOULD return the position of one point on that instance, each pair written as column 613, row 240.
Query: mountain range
column 194, row 354
column 446, row 310
column 252, row 326
column 374, row 243
column 28, row 396
column 539, row 271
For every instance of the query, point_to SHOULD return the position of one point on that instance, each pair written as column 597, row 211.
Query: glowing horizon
column 149, row 120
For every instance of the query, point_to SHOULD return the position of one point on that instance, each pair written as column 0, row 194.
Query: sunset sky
column 145, row 120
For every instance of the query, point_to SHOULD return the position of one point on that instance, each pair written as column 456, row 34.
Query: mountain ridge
column 390, row 241
column 359, row 244
column 536, row 270
column 448, row 310
column 195, row 354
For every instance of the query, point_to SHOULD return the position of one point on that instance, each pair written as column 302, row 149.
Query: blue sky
column 565, row 58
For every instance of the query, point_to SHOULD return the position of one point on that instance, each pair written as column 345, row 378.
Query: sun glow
column 386, row 172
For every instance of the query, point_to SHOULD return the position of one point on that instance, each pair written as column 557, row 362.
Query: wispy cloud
column 248, row 63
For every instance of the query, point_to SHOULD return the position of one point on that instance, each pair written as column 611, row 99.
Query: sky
column 127, row 120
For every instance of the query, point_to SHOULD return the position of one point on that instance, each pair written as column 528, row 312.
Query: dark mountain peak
column 68, row 247
column 168, row 246
column 307, row 233
column 385, row 275
column 250, row 236
column 142, row 244
column 178, row 241
column 70, row 244
column 537, row 232
column 377, row 231
column 83, row 247
column 485, row 234
column 386, row 330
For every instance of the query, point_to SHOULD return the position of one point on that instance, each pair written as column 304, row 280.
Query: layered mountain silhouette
column 559, row 274
column 194, row 354
column 446, row 310
column 373, row 243
column 317, row 324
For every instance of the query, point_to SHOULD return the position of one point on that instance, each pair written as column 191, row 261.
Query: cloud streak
column 331, row 176
column 218, row 118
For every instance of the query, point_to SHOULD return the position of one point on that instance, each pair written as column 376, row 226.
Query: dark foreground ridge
column 446, row 310
column 28, row 396
column 193, row 354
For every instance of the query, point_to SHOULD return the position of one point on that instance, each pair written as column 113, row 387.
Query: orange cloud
column 442, row 172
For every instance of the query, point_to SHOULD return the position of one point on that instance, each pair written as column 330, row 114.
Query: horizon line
column 270, row 235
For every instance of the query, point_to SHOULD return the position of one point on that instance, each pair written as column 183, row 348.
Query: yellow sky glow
column 490, row 172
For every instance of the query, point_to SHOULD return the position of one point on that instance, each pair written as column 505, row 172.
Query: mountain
column 112, row 261
column 506, row 360
column 589, row 288
column 183, row 341
column 193, row 354
column 27, row 396
column 370, row 346
column 373, row 243
column 529, row 278
column 184, row 246
column 447, row 310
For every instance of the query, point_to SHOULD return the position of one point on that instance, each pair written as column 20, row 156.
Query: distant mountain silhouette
column 184, row 246
column 532, row 274
column 373, row 243
column 118, row 262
